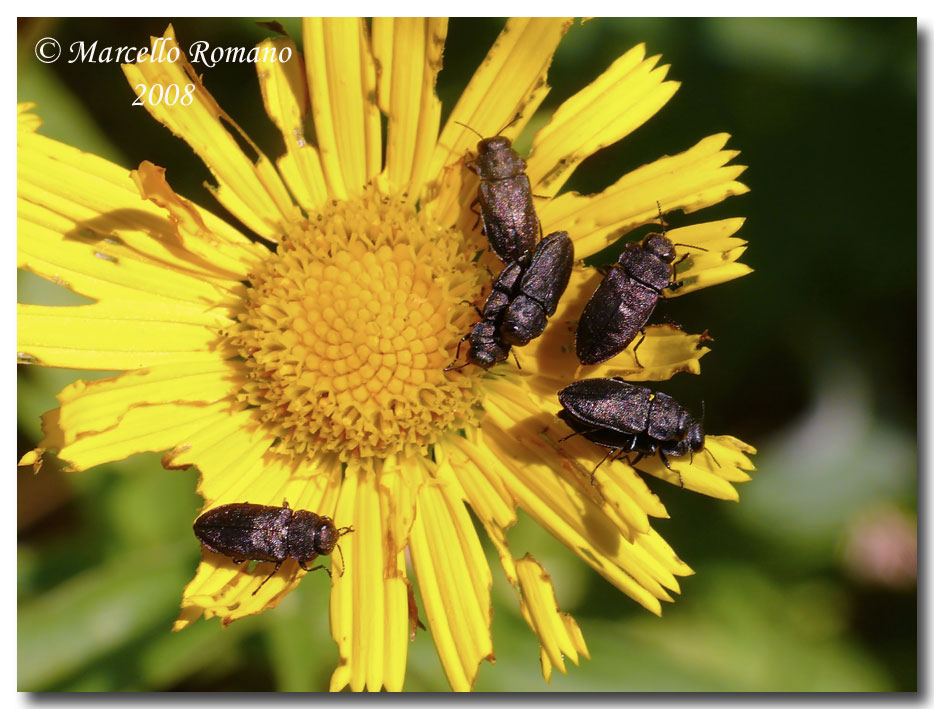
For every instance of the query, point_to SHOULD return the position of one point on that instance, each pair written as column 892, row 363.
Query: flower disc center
column 347, row 329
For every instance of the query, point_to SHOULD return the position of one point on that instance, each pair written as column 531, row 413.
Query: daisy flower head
column 308, row 359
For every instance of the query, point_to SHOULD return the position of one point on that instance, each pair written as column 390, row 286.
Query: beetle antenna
column 712, row 456
column 342, row 558
column 691, row 246
column 469, row 128
column 516, row 118
column 517, row 359
column 342, row 531
column 661, row 219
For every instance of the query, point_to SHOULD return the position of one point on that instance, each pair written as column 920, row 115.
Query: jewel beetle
column 523, row 297
column 627, row 418
column 539, row 289
column 624, row 301
column 250, row 532
column 510, row 221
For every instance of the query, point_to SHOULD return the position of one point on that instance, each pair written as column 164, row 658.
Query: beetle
column 486, row 346
column 624, row 301
column 522, row 299
column 509, row 219
column 245, row 531
column 539, row 289
column 627, row 418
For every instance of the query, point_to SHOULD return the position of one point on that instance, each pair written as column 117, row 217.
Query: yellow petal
column 408, row 51
column 689, row 181
column 705, row 472
column 88, row 268
column 26, row 120
column 698, row 269
column 462, row 461
column 515, row 66
column 665, row 351
column 369, row 602
column 562, row 508
column 399, row 486
column 89, row 200
column 222, row 588
column 342, row 85
column 285, row 95
column 116, row 335
column 249, row 188
column 454, row 580
column 557, row 632
column 190, row 227
column 229, row 450
column 510, row 81
column 92, row 407
column 141, row 429
column 624, row 97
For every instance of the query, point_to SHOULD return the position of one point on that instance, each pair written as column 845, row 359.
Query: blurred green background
column 808, row 584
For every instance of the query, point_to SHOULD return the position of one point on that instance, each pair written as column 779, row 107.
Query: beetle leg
column 673, row 286
column 634, row 355
column 458, row 354
column 278, row 564
column 320, row 566
column 578, row 433
column 593, row 472
column 664, row 458
column 475, row 211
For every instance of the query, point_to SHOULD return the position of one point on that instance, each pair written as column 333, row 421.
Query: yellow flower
column 307, row 362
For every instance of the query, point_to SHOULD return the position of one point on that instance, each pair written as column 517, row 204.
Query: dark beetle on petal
column 249, row 532
column 540, row 288
column 486, row 346
column 627, row 418
column 505, row 196
column 625, row 299
column 522, row 299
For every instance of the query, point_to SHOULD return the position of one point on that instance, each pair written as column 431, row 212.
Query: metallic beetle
column 509, row 219
column 245, row 531
column 628, row 418
column 524, row 296
column 625, row 299
column 539, row 289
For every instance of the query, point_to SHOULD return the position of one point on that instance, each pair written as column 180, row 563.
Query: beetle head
column 496, row 160
column 491, row 145
column 326, row 536
column 660, row 246
column 485, row 350
column 695, row 436
column 311, row 535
